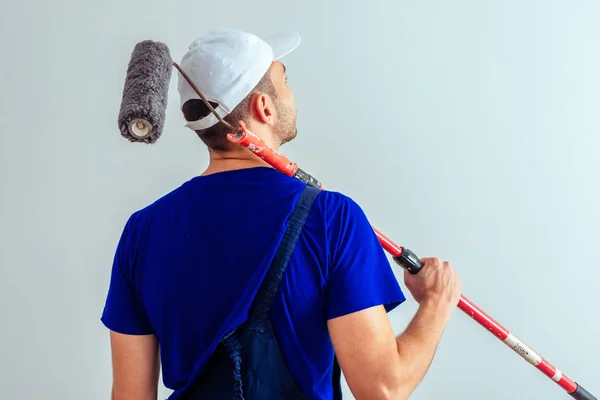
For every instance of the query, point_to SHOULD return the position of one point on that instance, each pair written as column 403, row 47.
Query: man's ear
column 262, row 108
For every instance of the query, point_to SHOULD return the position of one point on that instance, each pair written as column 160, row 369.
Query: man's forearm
column 418, row 343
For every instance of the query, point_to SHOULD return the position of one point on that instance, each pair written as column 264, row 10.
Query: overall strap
column 266, row 293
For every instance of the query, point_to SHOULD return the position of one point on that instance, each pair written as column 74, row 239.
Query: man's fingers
column 431, row 261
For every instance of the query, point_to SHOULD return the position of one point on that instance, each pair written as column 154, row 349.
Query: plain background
column 467, row 130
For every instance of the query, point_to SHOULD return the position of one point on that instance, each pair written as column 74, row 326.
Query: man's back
column 188, row 267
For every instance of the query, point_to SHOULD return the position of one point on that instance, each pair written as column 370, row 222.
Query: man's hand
column 437, row 282
column 136, row 366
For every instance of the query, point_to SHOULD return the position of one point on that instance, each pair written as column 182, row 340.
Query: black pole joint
column 409, row 261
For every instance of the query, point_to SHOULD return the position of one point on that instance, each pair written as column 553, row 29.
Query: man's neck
column 221, row 162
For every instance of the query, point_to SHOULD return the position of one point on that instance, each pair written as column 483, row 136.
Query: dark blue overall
column 248, row 364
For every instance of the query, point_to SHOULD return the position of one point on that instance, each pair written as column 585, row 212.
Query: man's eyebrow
column 283, row 65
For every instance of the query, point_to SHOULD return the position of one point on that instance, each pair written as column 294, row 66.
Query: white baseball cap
column 226, row 64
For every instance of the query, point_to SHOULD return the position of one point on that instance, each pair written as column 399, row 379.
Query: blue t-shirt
column 188, row 266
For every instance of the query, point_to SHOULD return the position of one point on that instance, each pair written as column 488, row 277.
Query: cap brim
column 283, row 43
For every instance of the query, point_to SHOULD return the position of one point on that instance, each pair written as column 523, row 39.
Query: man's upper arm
column 133, row 343
column 366, row 350
column 136, row 366
column 362, row 288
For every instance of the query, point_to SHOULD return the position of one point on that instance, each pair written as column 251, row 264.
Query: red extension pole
column 287, row 167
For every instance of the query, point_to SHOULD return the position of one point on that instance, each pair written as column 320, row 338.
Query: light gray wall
column 467, row 130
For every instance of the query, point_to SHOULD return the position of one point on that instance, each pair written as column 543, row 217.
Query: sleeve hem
column 124, row 330
column 388, row 303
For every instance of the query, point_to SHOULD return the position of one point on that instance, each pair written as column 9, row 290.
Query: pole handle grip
column 409, row 261
column 582, row 394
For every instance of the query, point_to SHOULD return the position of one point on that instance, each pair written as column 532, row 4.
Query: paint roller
column 142, row 119
column 145, row 93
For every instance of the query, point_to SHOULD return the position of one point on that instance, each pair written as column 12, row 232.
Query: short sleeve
column 123, row 312
column 360, row 275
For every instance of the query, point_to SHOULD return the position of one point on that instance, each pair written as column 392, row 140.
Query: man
column 251, row 284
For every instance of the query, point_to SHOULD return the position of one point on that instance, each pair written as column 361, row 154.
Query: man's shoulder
column 338, row 204
column 170, row 200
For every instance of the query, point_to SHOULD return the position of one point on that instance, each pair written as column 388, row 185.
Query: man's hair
column 215, row 137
